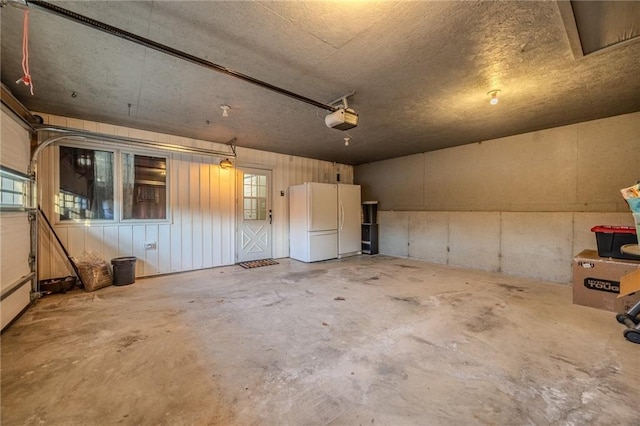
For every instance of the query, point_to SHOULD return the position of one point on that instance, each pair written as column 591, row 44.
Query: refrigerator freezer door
column 313, row 206
column 298, row 226
column 323, row 245
column 349, row 218
column 322, row 199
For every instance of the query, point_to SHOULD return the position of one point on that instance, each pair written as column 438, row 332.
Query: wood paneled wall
column 201, row 229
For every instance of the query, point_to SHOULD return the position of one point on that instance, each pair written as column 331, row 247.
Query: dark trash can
column 124, row 270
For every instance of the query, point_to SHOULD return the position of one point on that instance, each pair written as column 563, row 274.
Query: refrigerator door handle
column 341, row 215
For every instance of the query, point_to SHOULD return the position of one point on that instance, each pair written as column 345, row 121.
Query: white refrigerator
column 349, row 220
column 324, row 221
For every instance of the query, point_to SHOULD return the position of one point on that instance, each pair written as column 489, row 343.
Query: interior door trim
column 242, row 167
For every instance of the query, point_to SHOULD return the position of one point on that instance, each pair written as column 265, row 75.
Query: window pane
column 86, row 184
column 249, row 208
column 144, row 187
column 7, row 198
column 13, row 189
column 255, row 197
column 253, row 209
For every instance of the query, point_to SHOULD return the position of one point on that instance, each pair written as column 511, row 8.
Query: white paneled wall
column 201, row 229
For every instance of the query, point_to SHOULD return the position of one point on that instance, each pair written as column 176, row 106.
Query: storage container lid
column 608, row 229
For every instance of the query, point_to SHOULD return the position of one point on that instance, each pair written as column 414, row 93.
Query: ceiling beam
column 126, row 35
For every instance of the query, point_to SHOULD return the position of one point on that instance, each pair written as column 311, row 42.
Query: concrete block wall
column 534, row 245
column 523, row 205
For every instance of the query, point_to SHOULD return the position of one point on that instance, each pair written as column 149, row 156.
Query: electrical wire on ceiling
column 26, row 77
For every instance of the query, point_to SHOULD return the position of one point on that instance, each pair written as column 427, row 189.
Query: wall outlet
column 149, row 246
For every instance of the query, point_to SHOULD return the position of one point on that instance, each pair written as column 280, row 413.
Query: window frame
column 27, row 190
column 118, row 191
column 257, row 186
column 56, row 187
column 167, row 184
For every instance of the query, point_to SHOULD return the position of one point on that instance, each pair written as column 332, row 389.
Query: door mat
column 258, row 263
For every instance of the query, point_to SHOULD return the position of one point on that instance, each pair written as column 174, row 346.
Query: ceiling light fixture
column 84, row 161
column 225, row 110
column 226, row 164
column 346, row 141
column 494, row 96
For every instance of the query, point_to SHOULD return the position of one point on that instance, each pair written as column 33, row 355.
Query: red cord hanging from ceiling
column 26, row 78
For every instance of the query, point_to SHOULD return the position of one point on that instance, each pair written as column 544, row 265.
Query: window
column 88, row 180
column 13, row 189
column 255, row 197
column 86, row 184
column 144, row 187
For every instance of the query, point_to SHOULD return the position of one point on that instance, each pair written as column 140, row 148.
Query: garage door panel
column 14, row 247
column 14, row 303
column 15, row 228
column 15, row 144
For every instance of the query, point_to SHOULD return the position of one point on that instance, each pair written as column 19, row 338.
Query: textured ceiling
column 420, row 71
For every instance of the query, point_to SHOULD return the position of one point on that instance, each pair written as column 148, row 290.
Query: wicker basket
column 94, row 272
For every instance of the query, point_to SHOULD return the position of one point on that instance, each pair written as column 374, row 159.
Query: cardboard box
column 596, row 281
column 630, row 283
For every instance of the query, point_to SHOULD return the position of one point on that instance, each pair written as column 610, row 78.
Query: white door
column 323, row 245
column 323, row 206
column 254, row 215
column 349, row 222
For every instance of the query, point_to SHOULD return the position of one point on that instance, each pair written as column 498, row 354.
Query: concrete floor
column 411, row 343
